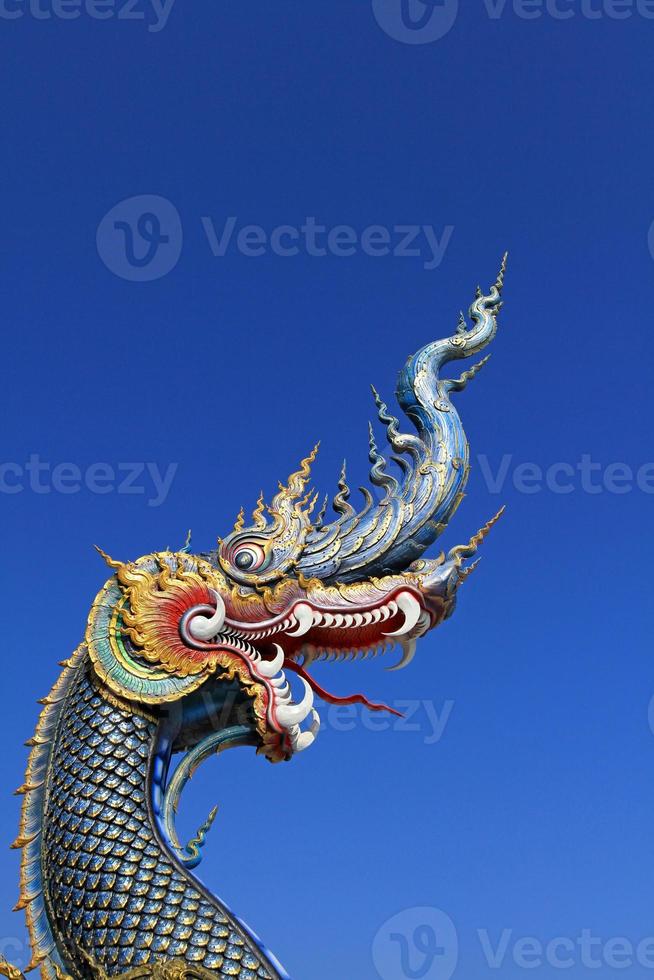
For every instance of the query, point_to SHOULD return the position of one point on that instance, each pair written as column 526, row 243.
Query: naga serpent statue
column 188, row 655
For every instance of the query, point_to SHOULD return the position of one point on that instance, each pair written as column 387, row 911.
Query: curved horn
column 434, row 462
column 203, row 626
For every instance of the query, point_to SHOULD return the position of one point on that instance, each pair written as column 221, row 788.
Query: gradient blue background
column 535, row 810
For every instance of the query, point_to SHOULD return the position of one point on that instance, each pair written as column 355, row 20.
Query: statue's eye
column 249, row 557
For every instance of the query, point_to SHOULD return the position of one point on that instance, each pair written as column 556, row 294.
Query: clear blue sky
column 534, row 810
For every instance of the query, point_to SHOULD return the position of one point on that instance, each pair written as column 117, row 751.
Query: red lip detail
column 332, row 698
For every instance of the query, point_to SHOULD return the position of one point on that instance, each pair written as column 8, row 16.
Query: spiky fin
column 258, row 516
column 297, row 481
column 29, row 836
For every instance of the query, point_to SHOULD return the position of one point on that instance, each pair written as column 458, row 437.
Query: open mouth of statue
column 289, row 643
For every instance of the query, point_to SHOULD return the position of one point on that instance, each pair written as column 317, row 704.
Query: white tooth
column 408, row 653
column 304, row 618
column 368, row 618
column 409, row 605
column 339, row 620
column 359, row 619
column 293, row 714
column 284, row 695
column 386, row 612
column 269, row 668
column 376, row 615
column 203, row 627
column 310, row 653
column 328, row 619
column 303, row 740
column 279, row 682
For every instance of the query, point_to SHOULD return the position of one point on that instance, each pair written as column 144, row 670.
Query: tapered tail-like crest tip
column 500, row 277
column 111, row 562
column 463, row 551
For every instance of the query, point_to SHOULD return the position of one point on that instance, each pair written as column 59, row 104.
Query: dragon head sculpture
column 175, row 632
column 192, row 654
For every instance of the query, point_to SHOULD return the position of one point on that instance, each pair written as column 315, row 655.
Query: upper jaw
column 350, row 618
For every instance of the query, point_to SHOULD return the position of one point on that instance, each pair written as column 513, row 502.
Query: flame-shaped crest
column 389, row 533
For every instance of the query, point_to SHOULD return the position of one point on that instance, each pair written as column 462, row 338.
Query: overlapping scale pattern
column 111, row 888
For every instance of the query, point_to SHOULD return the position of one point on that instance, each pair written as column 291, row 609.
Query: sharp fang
column 304, row 617
column 270, row 668
column 205, row 628
column 408, row 653
column 293, row 714
column 303, row 740
column 409, row 605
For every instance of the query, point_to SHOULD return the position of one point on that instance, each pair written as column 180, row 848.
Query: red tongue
column 332, row 698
